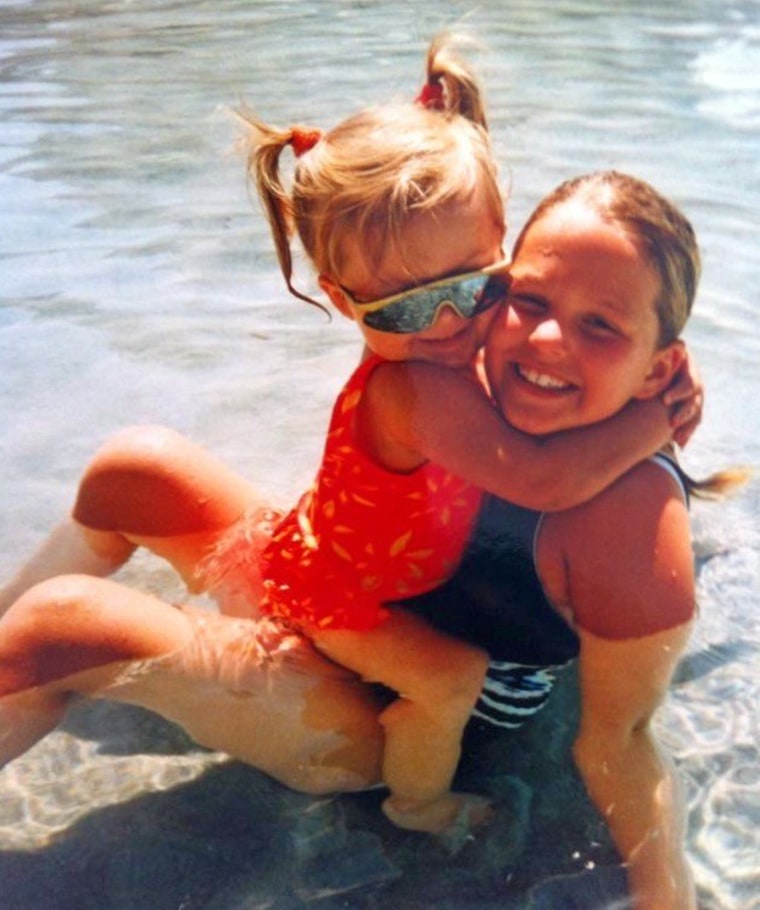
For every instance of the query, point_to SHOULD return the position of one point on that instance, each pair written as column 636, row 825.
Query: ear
column 665, row 364
column 334, row 291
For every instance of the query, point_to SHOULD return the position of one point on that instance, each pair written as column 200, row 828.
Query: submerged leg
column 248, row 688
column 27, row 717
column 70, row 635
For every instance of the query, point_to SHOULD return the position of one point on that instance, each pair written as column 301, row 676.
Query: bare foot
column 452, row 816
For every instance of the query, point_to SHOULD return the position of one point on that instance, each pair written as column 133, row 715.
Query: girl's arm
column 630, row 780
column 623, row 566
column 413, row 412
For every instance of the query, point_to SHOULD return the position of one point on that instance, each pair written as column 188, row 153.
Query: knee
column 133, row 450
column 42, row 624
column 75, row 623
column 48, row 605
column 137, row 483
column 138, row 443
column 457, row 682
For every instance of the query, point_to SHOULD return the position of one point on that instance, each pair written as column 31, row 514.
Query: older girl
column 603, row 279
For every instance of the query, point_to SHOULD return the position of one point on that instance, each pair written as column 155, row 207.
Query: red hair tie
column 303, row 140
column 431, row 96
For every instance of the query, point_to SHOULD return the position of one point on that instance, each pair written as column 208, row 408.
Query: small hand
column 685, row 396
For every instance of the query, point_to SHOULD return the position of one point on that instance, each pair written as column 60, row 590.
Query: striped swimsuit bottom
column 513, row 693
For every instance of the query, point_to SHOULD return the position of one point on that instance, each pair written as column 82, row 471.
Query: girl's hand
column 685, row 396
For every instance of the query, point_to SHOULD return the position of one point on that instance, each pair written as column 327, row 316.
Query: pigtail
column 451, row 84
column 718, row 485
column 265, row 145
column 715, row 486
column 374, row 172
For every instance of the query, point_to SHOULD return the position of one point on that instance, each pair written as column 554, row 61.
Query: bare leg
column 69, row 548
column 438, row 679
column 64, row 628
column 25, row 718
column 147, row 486
column 243, row 687
column 73, row 623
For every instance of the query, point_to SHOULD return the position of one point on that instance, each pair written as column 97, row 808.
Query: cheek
column 386, row 344
column 483, row 325
column 611, row 380
column 505, row 328
column 499, row 322
column 513, row 325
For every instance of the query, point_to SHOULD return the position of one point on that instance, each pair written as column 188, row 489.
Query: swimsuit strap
column 669, row 464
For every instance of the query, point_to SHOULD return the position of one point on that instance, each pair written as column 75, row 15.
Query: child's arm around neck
column 417, row 412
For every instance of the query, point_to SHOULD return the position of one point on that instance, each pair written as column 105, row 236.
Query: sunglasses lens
column 495, row 291
column 402, row 318
column 419, row 309
column 414, row 312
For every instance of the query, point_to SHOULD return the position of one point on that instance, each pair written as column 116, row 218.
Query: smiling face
column 577, row 338
column 461, row 237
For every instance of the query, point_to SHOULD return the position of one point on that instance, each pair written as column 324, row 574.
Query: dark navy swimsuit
column 496, row 601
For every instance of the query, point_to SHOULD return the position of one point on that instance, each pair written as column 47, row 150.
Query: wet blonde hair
column 367, row 178
column 667, row 243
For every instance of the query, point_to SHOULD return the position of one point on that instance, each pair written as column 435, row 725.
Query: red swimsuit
column 363, row 535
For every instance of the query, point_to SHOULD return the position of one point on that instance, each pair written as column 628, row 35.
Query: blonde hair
column 374, row 172
column 667, row 242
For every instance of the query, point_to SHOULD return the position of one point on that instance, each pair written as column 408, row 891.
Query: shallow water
column 138, row 285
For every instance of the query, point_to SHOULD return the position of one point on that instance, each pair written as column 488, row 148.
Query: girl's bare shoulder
column 622, row 563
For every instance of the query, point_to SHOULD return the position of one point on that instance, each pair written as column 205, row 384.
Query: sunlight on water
column 67, row 780
column 732, row 71
column 139, row 285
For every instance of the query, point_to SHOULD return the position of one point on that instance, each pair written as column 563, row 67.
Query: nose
column 548, row 335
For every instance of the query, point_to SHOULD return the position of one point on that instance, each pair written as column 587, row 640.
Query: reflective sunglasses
column 418, row 308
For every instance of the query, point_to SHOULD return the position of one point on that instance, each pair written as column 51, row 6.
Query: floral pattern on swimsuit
column 363, row 535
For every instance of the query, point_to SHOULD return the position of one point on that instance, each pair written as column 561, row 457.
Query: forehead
column 462, row 235
column 573, row 246
column 578, row 223
column 574, row 232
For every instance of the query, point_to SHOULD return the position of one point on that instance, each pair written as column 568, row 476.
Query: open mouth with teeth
column 542, row 380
